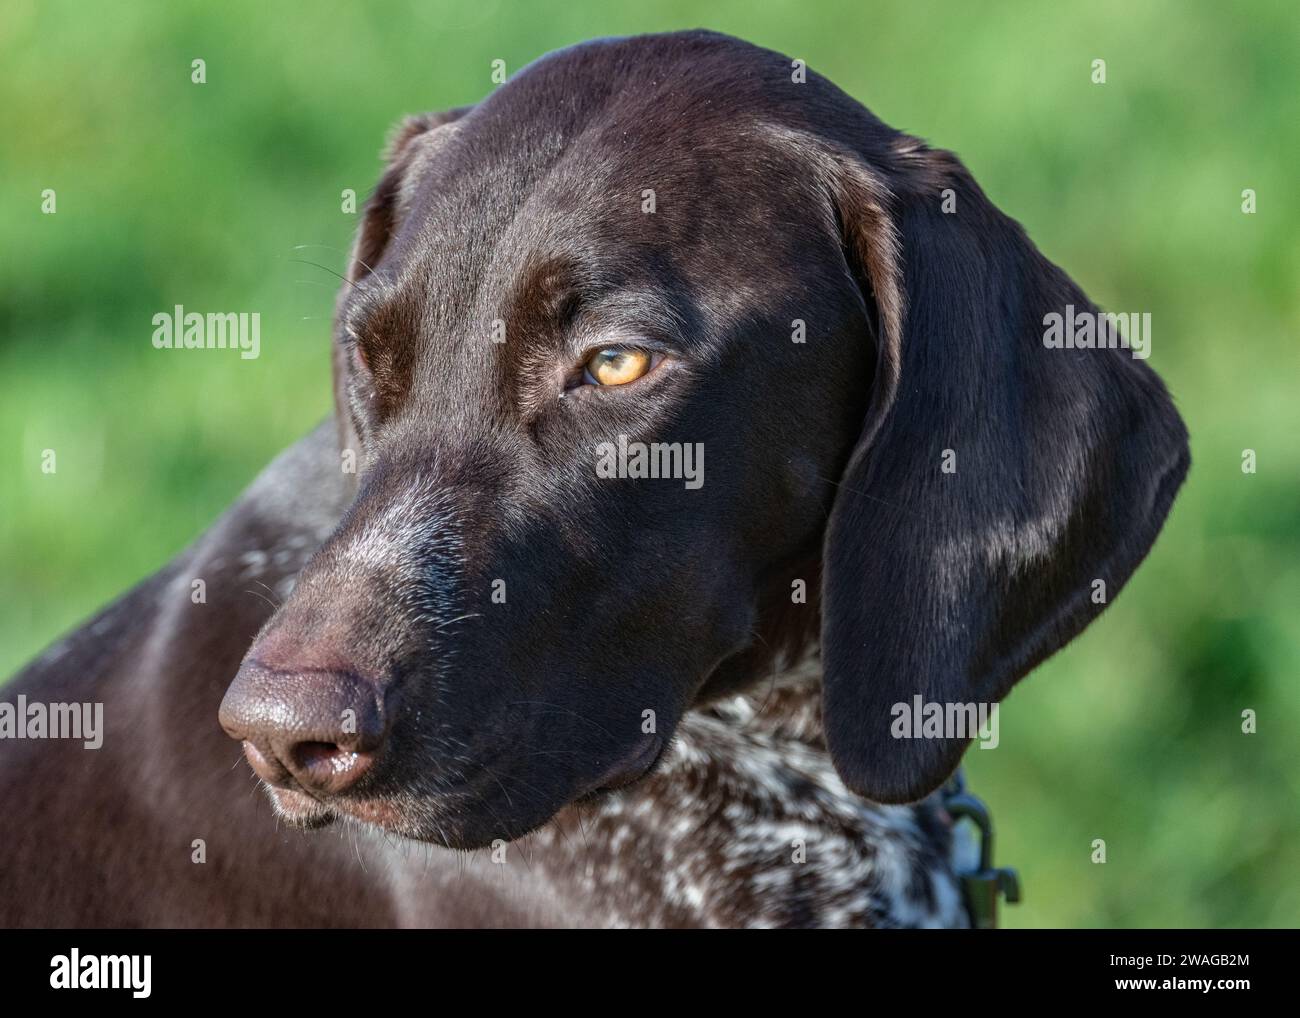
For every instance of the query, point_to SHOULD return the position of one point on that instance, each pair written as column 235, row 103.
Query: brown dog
column 634, row 253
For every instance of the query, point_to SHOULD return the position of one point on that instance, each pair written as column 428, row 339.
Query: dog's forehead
column 608, row 141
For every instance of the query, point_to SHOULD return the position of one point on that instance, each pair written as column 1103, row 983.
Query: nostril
column 264, row 764
column 327, row 766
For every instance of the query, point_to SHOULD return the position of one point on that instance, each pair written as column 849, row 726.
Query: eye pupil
column 617, row 365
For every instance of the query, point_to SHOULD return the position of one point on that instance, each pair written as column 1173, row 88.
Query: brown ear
column 995, row 479
column 379, row 221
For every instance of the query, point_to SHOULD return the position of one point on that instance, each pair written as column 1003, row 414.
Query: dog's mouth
column 304, row 811
column 298, row 809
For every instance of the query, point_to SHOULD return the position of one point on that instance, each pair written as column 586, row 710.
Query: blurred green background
column 170, row 192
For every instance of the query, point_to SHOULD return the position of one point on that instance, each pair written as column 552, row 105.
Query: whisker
column 325, row 268
column 258, row 593
column 336, row 250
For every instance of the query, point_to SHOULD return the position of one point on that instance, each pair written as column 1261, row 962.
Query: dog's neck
column 746, row 823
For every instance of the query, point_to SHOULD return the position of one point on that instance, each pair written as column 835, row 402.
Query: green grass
column 170, row 192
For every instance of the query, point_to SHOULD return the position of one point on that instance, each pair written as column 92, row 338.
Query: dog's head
column 656, row 366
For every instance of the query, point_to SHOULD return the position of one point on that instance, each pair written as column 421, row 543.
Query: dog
column 504, row 590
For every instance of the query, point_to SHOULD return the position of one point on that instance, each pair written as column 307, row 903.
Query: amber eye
column 616, row 365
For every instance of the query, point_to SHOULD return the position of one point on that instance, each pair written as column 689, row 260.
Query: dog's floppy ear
column 995, row 481
column 380, row 219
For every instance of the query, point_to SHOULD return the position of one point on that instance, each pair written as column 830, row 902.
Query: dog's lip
column 301, row 809
column 630, row 768
column 377, row 811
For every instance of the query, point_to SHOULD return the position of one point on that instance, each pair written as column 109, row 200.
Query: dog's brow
column 560, row 294
column 629, row 315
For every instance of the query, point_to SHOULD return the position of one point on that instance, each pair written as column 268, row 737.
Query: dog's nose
column 322, row 730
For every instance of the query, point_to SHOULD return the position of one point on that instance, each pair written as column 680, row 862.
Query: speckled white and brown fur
column 746, row 824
